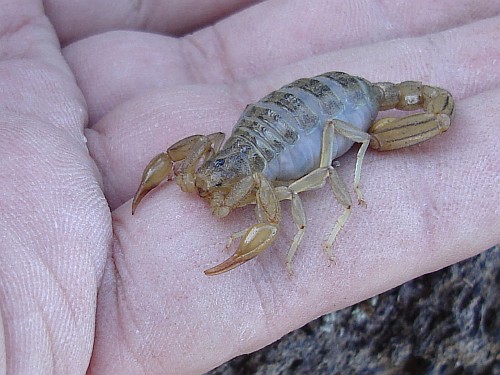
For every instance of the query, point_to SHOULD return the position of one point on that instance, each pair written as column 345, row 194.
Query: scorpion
column 287, row 143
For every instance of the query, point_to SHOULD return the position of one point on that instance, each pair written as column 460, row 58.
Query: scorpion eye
column 219, row 163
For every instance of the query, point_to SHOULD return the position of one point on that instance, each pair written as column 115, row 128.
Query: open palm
column 83, row 281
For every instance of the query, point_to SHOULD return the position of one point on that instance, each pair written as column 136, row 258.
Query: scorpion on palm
column 287, row 143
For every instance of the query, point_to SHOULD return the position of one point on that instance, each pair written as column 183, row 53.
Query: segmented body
column 280, row 135
column 291, row 136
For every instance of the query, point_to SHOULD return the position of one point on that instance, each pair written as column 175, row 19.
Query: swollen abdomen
column 286, row 126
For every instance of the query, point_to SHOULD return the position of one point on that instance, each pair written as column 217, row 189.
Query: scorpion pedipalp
column 188, row 151
column 257, row 237
column 254, row 241
column 158, row 169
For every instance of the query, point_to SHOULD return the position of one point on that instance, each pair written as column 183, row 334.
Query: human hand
column 156, row 312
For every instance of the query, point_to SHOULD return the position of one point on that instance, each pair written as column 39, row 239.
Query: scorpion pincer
column 287, row 142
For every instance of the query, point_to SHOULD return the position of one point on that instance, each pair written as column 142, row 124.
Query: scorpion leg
column 258, row 237
column 392, row 133
column 342, row 196
column 354, row 134
column 311, row 181
column 317, row 178
column 189, row 151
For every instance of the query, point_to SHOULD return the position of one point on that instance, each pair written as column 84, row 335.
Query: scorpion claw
column 255, row 240
column 155, row 172
column 140, row 193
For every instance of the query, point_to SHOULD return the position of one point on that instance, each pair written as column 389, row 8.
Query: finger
column 54, row 222
column 124, row 141
column 75, row 20
column 114, row 67
column 427, row 208
column 3, row 353
column 288, row 32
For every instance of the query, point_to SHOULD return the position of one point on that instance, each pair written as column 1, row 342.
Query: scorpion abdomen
column 284, row 128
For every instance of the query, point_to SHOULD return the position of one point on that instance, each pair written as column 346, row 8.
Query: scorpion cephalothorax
column 286, row 144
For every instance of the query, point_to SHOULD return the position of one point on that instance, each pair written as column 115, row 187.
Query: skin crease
column 87, row 287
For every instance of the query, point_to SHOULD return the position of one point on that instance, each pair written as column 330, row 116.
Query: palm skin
column 87, row 287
